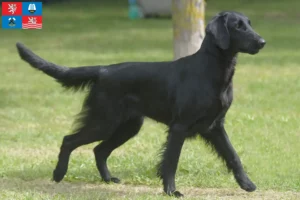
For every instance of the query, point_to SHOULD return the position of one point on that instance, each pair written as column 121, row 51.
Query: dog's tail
column 70, row 78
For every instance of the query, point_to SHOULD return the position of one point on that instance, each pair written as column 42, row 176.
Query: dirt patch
column 129, row 191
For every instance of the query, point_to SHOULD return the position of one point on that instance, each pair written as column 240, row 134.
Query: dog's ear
column 218, row 28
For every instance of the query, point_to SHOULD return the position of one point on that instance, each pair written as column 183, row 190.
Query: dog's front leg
column 168, row 165
column 218, row 138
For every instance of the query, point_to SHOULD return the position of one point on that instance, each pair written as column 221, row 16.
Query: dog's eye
column 239, row 25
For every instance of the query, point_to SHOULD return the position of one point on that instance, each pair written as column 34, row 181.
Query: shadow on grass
column 87, row 174
column 86, row 184
column 41, row 188
column 70, row 190
column 78, row 184
column 30, row 173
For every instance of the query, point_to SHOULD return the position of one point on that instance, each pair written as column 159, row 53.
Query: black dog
column 191, row 95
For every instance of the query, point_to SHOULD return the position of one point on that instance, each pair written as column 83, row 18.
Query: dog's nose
column 262, row 43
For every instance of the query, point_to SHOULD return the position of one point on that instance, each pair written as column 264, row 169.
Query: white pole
column 188, row 26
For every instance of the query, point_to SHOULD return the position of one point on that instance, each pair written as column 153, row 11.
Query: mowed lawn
column 35, row 112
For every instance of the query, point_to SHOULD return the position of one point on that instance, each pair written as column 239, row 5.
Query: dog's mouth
column 254, row 51
column 254, row 46
column 250, row 51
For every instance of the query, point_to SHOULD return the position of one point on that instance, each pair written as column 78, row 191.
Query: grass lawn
column 35, row 112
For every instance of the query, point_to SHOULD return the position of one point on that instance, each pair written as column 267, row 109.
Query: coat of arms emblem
column 31, row 8
column 11, row 21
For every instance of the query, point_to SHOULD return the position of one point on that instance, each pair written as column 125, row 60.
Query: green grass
column 36, row 113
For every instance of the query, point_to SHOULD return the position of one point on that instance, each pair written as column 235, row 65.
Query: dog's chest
column 226, row 88
column 225, row 99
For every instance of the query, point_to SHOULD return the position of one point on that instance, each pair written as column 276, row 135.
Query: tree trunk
column 188, row 26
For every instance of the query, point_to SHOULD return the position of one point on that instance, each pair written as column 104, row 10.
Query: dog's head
column 233, row 30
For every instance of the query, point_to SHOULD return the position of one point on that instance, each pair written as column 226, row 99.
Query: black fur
column 191, row 95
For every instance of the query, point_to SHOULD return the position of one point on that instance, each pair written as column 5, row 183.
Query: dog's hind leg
column 218, row 138
column 91, row 132
column 123, row 133
column 97, row 122
column 70, row 143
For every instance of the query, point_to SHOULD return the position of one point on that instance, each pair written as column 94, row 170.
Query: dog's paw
column 248, row 186
column 115, row 180
column 244, row 182
column 176, row 194
column 58, row 176
column 112, row 180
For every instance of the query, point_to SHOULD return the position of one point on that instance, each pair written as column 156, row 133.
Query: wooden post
column 188, row 26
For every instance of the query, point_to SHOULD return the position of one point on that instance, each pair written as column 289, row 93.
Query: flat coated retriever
column 190, row 95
